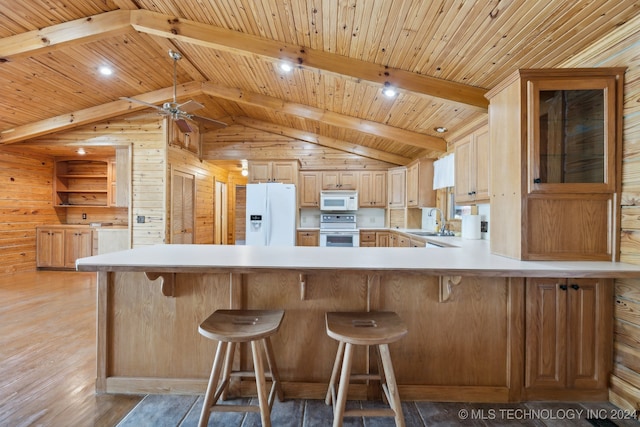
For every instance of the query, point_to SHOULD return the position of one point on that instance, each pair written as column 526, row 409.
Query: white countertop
column 471, row 258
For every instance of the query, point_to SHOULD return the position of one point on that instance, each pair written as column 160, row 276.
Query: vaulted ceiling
column 441, row 56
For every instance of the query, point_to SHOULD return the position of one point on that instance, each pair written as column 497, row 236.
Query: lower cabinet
column 371, row 238
column 49, row 247
column 308, row 238
column 78, row 243
column 569, row 338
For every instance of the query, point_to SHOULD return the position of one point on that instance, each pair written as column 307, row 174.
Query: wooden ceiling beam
column 246, row 44
column 94, row 114
column 312, row 113
column 322, row 140
column 75, row 32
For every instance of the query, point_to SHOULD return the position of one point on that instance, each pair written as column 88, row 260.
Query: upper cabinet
column 189, row 141
column 285, row 171
column 372, row 189
column 309, row 189
column 556, row 160
column 420, row 192
column 397, row 187
column 472, row 167
column 339, row 180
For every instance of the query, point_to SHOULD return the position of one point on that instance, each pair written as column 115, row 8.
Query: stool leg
column 265, row 413
column 228, row 366
column 213, row 384
column 394, row 396
column 275, row 374
column 334, row 375
column 339, row 406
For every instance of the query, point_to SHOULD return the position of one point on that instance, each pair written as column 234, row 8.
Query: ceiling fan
column 179, row 113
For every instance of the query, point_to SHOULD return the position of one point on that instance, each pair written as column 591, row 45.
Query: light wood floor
column 48, row 353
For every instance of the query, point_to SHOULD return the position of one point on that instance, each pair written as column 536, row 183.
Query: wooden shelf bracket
column 167, row 282
column 447, row 284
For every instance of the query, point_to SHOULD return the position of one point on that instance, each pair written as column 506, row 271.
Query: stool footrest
column 381, row 412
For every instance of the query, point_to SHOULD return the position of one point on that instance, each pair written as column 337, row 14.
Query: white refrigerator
column 271, row 214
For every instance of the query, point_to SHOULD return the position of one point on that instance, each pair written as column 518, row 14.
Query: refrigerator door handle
column 268, row 219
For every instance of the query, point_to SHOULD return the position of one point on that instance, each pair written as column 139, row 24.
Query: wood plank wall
column 25, row 202
column 621, row 49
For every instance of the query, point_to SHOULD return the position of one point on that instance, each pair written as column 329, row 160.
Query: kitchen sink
column 429, row 234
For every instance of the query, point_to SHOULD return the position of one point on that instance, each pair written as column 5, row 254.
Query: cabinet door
column 330, row 180
column 372, row 189
column 259, row 172
column 308, row 238
column 546, row 333
column 482, row 171
column 50, row 248
column 77, row 244
column 348, row 180
column 397, row 188
column 382, row 239
column 572, row 128
column 309, row 189
column 284, row 172
column 463, row 160
column 412, row 185
column 379, row 190
column 590, row 305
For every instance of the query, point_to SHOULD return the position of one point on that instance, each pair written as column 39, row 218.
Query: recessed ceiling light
column 286, row 67
column 440, row 129
column 105, row 71
column 81, row 151
column 389, row 90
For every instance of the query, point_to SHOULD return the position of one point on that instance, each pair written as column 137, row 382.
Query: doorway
column 182, row 193
column 220, row 212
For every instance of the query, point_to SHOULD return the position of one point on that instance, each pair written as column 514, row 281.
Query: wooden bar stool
column 378, row 328
column 233, row 327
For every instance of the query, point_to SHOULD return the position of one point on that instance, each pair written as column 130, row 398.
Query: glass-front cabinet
column 571, row 125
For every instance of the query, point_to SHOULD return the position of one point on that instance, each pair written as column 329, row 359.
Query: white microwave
column 339, row 200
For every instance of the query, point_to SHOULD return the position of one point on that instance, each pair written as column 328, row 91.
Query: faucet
column 443, row 225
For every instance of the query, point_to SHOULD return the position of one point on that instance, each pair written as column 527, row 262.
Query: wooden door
column 546, row 333
column 482, row 170
column 379, row 190
column 463, row 162
column 182, row 207
column 309, row 189
column 50, row 244
column 78, row 243
column 590, row 305
column 220, row 211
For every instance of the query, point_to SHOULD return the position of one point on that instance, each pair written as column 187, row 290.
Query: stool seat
column 241, row 325
column 377, row 329
column 365, row 328
column 230, row 328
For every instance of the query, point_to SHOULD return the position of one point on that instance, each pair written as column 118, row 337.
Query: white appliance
column 271, row 214
column 339, row 230
column 339, row 200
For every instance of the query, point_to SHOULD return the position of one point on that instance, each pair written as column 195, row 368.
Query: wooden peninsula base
column 482, row 328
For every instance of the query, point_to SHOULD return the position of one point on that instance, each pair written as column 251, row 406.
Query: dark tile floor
column 183, row 411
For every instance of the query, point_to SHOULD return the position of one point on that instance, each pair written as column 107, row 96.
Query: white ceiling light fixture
column 440, row 129
column 285, row 66
column 245, row 168
column 388, row 90
column 81, row 151
column 105, row 71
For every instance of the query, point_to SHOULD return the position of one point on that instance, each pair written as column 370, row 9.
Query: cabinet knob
column 574, row 286
column 563, row 287
column 537, row 181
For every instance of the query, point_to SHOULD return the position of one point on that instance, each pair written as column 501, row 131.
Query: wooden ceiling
column 441, row 55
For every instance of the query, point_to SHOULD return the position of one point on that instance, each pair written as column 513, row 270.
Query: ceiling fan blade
column 190, row 106
column 207, row 120
column 183, row 125
column 124, row 98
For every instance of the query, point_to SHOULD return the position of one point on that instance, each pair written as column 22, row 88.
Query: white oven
column 339, row 229
column 339, row 200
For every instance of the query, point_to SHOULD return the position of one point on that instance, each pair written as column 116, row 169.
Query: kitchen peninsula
column 474, row 319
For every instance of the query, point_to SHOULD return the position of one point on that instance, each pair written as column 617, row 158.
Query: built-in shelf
column 81, row 183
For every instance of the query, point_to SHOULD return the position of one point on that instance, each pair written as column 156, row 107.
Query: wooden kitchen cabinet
column 308, row 238
column 59, row 247
column 419, row 191
column 50, row 247
column 397, row 187
column 81, row 183
column 285, row 171
column 367, row 239
column 556, row 138
column 339, row 180
column 569, row 336
column 309, row 189
column 188, row 141
column 78, row 243
column 372, row 189
column 472, row 167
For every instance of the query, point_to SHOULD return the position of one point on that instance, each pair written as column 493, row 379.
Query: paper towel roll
column 470, row 226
